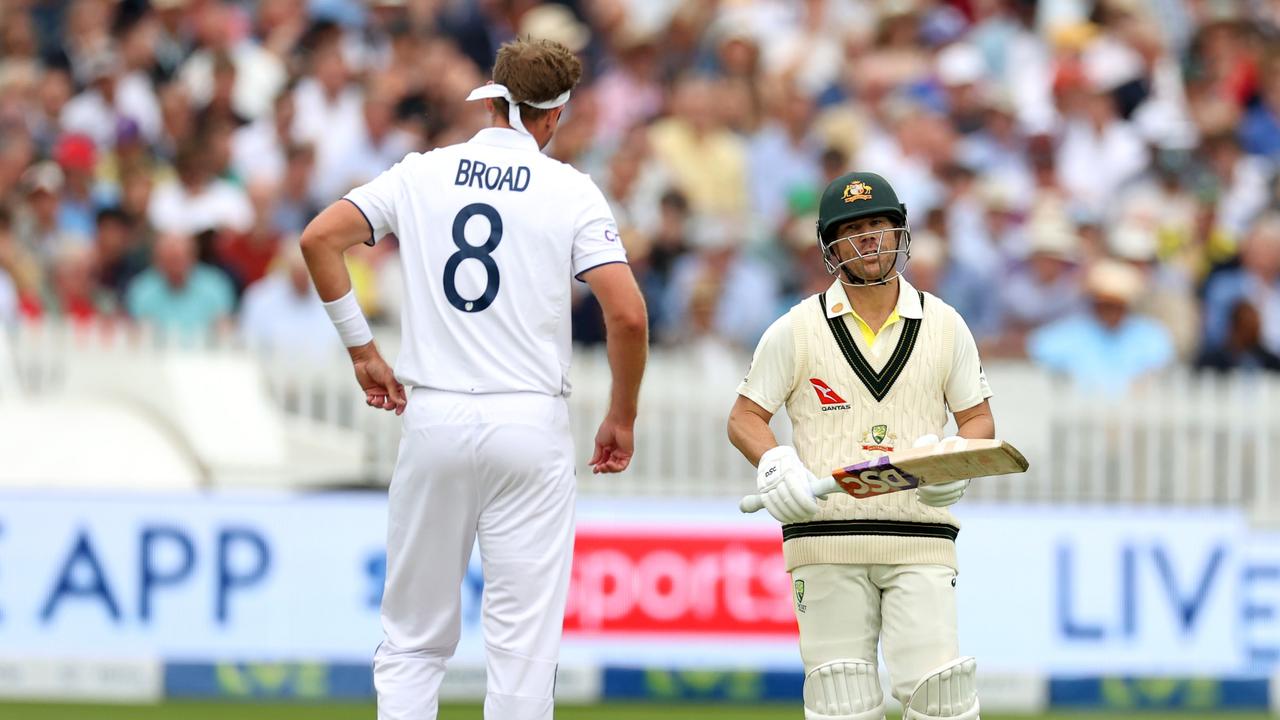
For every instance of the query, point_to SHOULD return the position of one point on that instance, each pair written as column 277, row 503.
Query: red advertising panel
column 679, row 582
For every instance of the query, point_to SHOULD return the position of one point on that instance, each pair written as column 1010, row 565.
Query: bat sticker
column 875, row 477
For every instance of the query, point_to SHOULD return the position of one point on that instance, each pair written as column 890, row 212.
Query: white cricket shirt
column 491, row 231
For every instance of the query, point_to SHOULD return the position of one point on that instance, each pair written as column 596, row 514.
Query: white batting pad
column 948, row 693
column 843, row 690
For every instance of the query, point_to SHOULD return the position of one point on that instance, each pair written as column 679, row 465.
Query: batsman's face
column 867, row 246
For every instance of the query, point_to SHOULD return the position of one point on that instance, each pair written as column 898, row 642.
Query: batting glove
column 942, row 494
column 784, row 483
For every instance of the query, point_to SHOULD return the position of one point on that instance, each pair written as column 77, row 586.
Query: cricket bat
column 944, row 462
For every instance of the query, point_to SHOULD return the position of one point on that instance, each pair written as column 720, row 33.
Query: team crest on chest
column 879, row 439
column 857, row 190
column 828, row 399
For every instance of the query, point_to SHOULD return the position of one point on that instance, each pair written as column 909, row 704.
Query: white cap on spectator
column 1054, row 238
column 999, row 194
column 960, row 64
column 1109, row 64
column 1134, row 242
column 45, row 176
column 734, row 24
column 1113, row 280
column 555, row 22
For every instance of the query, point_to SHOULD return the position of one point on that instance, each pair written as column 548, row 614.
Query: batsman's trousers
column 844, row 610
column 497, row 468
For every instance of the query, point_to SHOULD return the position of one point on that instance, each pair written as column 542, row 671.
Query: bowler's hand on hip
column 377, row 379
column 785, row 485
column 941, row 494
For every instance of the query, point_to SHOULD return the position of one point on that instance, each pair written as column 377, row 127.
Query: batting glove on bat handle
column 942, row 494
column 821, row 486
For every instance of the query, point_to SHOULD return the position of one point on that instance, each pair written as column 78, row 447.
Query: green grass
column 361, row 711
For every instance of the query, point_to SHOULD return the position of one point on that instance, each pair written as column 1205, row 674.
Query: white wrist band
column 347, row 317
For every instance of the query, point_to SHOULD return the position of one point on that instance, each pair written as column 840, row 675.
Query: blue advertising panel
column 276, row 578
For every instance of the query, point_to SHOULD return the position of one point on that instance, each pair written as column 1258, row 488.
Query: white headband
column 494, row 90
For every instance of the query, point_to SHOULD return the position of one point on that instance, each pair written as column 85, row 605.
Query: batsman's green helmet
column 857, row 195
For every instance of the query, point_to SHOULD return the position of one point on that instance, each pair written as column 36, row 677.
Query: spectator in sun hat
column 37, row 219
column 94, row 111
column 1107, row 347
column 1169, row 297
column 628, row 91
column 1046, row 287
column 962, row 72
column 555, row 22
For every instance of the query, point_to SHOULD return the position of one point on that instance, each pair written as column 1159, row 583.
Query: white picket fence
column 1179, row 439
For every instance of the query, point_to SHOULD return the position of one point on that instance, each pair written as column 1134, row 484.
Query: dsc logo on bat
column 872, row 481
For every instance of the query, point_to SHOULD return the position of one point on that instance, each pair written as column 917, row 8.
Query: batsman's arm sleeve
column 967, row 382
column 771, row 377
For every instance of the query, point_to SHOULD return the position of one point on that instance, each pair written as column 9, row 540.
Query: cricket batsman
column 491, row 234
column 869, row 366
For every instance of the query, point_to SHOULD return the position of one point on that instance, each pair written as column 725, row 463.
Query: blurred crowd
column 1092, row 183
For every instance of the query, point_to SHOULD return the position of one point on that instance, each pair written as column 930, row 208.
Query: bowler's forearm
column 627, row 345
column 327, row 267
column 337, row 228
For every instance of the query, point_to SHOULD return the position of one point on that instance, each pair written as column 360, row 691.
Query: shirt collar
column 908, row 300
column 506, row 138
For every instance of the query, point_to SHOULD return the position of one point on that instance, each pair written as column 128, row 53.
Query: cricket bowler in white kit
column 867, row 367
column 491, row 234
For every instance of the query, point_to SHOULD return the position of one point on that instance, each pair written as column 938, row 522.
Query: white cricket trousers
column 849, row 608
column 499, row 468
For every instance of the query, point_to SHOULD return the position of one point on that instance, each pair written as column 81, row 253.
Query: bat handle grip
column 821, row 487
column 824, row 485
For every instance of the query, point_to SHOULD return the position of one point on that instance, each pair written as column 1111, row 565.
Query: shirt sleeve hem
column 754, row 396
column 372, row 240
column 579, row 275
column 969, row 404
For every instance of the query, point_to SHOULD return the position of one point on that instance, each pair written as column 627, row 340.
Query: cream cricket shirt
column 853, row 393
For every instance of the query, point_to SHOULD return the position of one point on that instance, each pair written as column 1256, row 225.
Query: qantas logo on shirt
column 829, row 399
